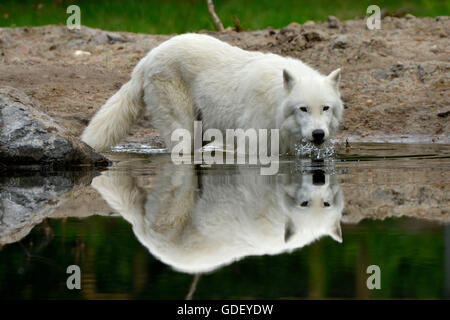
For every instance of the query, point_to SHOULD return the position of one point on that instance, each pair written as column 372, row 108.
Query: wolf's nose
column 318, row 136
column 318, row 178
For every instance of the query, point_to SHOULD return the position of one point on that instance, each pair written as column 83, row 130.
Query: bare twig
column 214, row 16
column 237, row 24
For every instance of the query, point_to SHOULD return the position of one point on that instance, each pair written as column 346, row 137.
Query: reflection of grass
column 177, row 16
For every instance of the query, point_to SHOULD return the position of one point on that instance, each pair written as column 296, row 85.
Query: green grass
column 178, row 16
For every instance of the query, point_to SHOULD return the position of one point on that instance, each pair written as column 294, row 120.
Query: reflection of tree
column 193, row 286
column 115, row 265
column 361, row 271
column 317, row 272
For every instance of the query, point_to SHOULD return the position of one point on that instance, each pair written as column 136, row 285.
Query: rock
column 341, row 42
column 271, row 31
column 286, row 35
column 333, row 22
column 314, row 35
column 100, row 37
column 81, row 53
column 443, row 114
column 299, row 43
column 114, row 37
column 409, row 16
column 309, row 23
column 294, row 25
column 29, row 136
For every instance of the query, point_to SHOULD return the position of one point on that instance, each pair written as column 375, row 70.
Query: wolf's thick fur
column 195, row 75
column 234, row 216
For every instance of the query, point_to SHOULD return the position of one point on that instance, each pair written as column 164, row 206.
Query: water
column 147, row 229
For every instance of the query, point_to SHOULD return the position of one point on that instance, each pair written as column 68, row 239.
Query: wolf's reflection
column 197, row 221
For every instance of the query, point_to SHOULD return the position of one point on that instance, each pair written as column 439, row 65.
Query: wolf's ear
column 335, row 78
column 336, row 233
column 288, row 80
column 289, row 230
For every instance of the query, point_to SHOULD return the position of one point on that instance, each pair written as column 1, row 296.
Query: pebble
column 341, row 42
column 81, row 53
column 314, row 36
column 294, row 25
column 333, row 22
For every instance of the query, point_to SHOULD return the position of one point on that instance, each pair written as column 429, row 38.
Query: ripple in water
column 137, row 148
column 308, row 149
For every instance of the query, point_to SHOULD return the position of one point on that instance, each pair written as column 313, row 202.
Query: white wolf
column 192, row 75
column 234, row 216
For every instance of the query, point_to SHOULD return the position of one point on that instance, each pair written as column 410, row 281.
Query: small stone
column 314, row 35
column 333, row 22
column 299, row 42
column 434, row 49
column 114, row 37
column 81, row 53
column 294, row 25
column 341, row 42
column 409, row 16
column 309, row 23
column 35, row 59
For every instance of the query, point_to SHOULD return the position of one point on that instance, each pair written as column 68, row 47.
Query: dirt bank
column 395, row 81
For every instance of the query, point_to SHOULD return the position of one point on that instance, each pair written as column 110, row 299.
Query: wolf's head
column 316, row 209
column 313, row 106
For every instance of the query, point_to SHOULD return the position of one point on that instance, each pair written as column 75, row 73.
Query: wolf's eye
column 304, row 204
column 304, row 109
column 326, row 204
column 326, row 108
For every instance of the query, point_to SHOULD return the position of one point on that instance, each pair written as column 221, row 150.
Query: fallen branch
column 214, row 16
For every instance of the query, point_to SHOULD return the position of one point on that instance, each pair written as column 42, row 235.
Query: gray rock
column 341, row 42
column 299, row 43
column 333, row 22
column 100, row 37
column 314, row 35
column 29, row 136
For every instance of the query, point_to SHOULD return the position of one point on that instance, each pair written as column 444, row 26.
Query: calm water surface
column 148, row 229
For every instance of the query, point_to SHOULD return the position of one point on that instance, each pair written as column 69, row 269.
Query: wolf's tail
column 115, row 118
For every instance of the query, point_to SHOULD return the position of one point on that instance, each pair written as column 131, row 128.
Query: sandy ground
column 395, row 82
